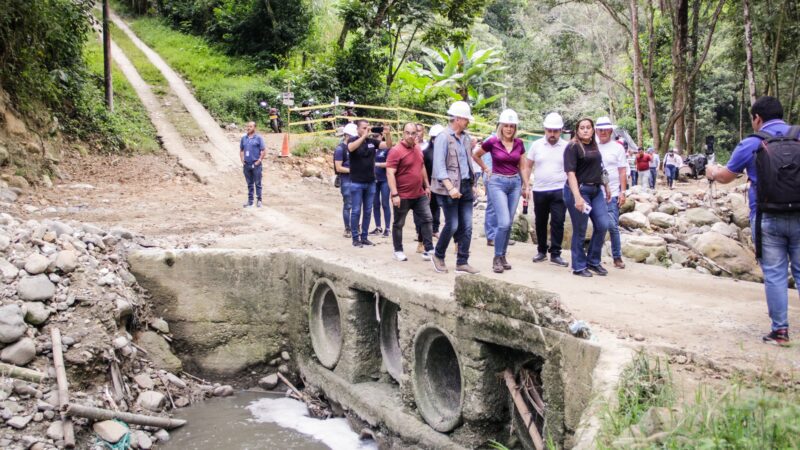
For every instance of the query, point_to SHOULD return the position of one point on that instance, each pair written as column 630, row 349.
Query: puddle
column 258, row 420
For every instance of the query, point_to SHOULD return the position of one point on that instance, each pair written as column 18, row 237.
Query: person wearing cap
column 506, row 180
column 408, row 184
column 615, row 163
column 362, row 150
column 586, row 199
column 452, row 182
column 546, row 160
column 672, row 162
column 654, row 163
column 341, row 162
column 643, row 166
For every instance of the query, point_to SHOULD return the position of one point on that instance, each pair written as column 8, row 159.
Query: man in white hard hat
column 546, row 160
column 615, row 163
column 452, row 182
column 341, row 163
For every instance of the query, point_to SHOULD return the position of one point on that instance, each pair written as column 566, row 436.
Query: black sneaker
column 582, row 273
column 376, row 231
column 598, row 269
column 777, row 337
column 558, row 261
column 540, row 257
column 386, row 232
column 367, row 242
column 357, row 243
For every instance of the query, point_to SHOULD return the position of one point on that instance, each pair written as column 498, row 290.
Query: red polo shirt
column 409, row 163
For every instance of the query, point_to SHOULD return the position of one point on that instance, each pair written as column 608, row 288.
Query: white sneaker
column 426, row 255
column 400, row 256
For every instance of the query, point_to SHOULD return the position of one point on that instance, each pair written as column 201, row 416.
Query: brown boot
column 619, row 264
column 506, row 265
column 420, row 248
column 497, row 264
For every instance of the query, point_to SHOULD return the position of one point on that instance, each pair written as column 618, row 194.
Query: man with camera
column 362, row 177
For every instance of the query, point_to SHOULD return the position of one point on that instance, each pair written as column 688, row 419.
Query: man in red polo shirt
column 643, row 167
column 409, row 190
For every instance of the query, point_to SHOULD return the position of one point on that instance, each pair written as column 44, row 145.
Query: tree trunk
column 691, row 116
column 773, row 72
column 680, row 23
column 748, row 49
column 652, row 109
column 794, row 92
column 637, row 69
column 343, row 34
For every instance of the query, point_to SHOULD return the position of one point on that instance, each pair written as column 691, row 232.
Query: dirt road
column 715, row 321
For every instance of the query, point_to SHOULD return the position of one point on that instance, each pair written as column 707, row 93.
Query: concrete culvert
column 437, row 379
column 390, row 340
column 325, row 323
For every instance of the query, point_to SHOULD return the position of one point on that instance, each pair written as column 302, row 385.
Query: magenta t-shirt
column 503, row 161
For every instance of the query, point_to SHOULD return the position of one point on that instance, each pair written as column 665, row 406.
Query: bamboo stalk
column 21, row 373
column 63, row 391
column 524, row 412
column 291, row 386
column 136, row 419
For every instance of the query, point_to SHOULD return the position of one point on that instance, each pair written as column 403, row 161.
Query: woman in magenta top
column 507, row 181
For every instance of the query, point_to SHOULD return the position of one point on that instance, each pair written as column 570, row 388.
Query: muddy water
column 257, row 420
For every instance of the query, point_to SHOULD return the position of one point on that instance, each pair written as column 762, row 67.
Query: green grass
column 149, row 73
column 129, row 122
column 315, row 146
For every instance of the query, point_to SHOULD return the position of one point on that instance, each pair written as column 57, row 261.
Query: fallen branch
column 524, row 412
column 291, row 386
column 63, row 391
column 705, row 258
column 21, row 373
column 89, row 412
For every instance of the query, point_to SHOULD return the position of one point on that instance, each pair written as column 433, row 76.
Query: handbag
column 337, row 182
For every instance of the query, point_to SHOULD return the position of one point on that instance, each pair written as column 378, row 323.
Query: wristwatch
column 395, row 195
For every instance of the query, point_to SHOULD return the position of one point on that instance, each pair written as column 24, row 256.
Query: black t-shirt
column 362, row 161
column 588, row 167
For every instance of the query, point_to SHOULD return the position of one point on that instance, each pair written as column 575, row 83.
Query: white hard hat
column 553, row 121
column 604, row 123
column 509, row 116
column 460, row 109
column 435, row 130
column 351, row 129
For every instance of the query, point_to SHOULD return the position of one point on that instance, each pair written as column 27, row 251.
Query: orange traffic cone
column 285, row 147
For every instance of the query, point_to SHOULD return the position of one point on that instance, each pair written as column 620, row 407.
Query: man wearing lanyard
column 251, row 153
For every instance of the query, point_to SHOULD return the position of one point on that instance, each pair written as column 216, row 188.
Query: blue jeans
column 252, row 174
column 653, row 174
column 672, row 174
column 361, row 195
column 490, row 218
column 613, row 228
column 382, row 200
column 593, row 196
column 457, row 223
column 504, row 194
column 634, row 177
column 780, row 234
column 346, row 203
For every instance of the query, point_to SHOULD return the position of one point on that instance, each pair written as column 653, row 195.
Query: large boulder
column 628, row 206
column 36, row 264
column 644, row 208
column 20, row 353
column 728, row 254
column 8, row 271
column 668, row 208
column 741, row 216
column 36, row 313
column 151, row 400
column 158, row 351
column 12, row 324
column 67, row 261
column 640, row 248
column 634, row 219
column 36, row 288
column 662, row 220
column 701, row 216
column 567, row 241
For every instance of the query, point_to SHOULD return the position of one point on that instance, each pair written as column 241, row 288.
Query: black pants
column 549, row 205
column 436, row 214
column 421, row 210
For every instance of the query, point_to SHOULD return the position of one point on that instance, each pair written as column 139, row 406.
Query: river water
column 260, row 420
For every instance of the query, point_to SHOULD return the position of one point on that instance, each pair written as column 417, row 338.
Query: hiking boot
column 506, row 265
column 438, row 264
column 376, row 231
column 467, row 269
column 426, row 255
column 490, row 242
column 400, row 256
column 347, row 233
column 247, row 205
column 598, row 269
column 357, row 243
column 618, row 263
column 558, row 261
column 582, row 273
column 420, row 248
column 540, row 257
column 777, row 337
column 367, row 242
column 497, row 265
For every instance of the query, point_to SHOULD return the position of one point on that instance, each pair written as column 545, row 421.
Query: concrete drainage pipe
column 437, row 379
column 325, row 323
column 390, row 340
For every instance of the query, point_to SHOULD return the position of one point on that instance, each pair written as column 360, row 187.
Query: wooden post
column 63, row 392
column 136, row 419
column 524, row 412
column 107, row 59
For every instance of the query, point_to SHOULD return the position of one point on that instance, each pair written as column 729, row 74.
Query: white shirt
column 548, row 160
column 674, row 160
column 613, row 159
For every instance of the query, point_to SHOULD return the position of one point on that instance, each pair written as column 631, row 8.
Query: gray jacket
column 452, row 164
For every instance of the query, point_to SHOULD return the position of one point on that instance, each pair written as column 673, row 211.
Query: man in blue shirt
column 251, row 153
column 780, row 233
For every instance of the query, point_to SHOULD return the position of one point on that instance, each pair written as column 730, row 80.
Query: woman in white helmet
column 507, row 180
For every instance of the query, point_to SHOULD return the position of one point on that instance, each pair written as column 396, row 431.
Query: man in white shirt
column 655, row 163
column 616, row 164
column 545, row 160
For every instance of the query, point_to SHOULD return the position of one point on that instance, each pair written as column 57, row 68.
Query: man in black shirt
column 362, row 177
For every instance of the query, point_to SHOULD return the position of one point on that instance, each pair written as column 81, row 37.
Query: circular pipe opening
column 390, row 340
column 325, row 324
column 437, row 379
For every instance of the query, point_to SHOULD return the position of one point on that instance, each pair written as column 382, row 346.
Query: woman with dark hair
column 586, row 198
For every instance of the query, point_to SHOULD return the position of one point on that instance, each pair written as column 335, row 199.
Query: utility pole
column 107, row 59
